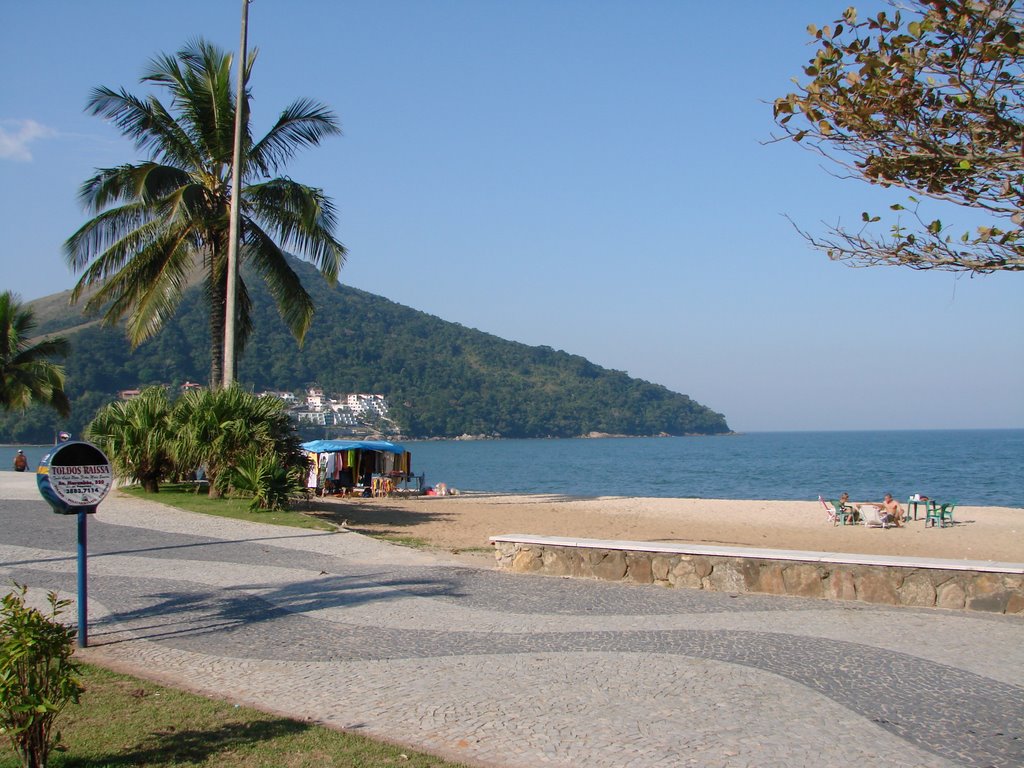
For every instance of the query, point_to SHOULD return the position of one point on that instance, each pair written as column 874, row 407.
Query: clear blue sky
column 583, row 174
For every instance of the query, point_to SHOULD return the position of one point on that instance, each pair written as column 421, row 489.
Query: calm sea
column 976, row 467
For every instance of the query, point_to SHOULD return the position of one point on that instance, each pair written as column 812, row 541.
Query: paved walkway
column 513, row 670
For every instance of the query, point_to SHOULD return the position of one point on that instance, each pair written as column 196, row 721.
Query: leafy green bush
column 215, row 429
column 261, row 477
column 135, row 436
column 37, row 676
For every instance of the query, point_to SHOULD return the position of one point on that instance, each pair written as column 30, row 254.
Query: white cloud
column 16, row 135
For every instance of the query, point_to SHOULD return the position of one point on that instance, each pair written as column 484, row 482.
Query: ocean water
column 975, row 467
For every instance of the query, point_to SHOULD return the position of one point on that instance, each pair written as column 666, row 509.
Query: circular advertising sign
column 73, row 476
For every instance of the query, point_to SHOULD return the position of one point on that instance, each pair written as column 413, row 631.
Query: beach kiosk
column 365, row 467
column 74, row 478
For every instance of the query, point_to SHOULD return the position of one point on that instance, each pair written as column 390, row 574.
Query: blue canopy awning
column 333, row 446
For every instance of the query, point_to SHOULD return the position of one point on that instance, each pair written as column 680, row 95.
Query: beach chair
column 873, row 517
column 830, row 510
column 844, row 515
column 837, row 513
column 940, row 515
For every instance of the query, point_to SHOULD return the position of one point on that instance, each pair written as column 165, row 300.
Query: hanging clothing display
column 339, row 465
column 314, row 471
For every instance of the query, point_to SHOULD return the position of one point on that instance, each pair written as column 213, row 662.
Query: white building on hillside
column 355, row 412
column 310, row 417
column 288, row 397
column 368, row 404
column 315, row 398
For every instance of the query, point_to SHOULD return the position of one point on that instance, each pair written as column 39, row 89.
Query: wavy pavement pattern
column 957, row 715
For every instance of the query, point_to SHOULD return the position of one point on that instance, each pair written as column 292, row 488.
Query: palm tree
column 26, row 374
column 164, row 222
column 135, row 435
column 218, row 429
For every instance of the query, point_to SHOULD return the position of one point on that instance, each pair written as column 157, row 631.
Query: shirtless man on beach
column 893, row 509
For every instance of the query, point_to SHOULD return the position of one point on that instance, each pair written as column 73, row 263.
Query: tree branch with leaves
column 929, row 101
column 27, row 374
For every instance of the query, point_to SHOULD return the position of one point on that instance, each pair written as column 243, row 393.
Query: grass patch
column 403, row 541
column 184, row 496
column 123, row 721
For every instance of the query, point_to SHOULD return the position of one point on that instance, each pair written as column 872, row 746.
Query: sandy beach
column 464, row 522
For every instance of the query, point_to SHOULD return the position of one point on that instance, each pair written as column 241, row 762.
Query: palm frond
column 302, row 218
column 26, row 375
column 109, row 186
column 145, row 121
column 294, row 304
column 152, row 308
column 302, row 124
column 117, row 244
column 54, row 346
column 204, row 96
column 243, row 315
column 142, row 183
column 146, row 287
column 178, row 141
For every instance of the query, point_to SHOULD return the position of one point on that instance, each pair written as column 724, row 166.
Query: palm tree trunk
column 217, row 300
column 211, row 476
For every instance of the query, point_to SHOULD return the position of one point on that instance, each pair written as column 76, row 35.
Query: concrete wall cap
column 987, row 566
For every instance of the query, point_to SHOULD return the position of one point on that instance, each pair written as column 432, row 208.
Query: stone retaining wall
column 996, row 587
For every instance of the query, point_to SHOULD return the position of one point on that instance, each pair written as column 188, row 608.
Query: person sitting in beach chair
column 888, row 513
column 846, row 508
column 893, row 510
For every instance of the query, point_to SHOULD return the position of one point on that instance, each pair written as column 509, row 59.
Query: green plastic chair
column 946, row 514
column 940, row 515
column 844, row 515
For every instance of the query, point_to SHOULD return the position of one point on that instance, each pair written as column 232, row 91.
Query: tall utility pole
column 230, row 297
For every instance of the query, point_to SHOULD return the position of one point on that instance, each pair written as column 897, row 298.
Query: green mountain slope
column 442, row 379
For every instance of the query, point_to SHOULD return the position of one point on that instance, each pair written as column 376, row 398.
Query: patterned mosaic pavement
column 513, row 670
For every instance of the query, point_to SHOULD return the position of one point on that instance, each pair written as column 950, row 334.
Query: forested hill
column 442, row 379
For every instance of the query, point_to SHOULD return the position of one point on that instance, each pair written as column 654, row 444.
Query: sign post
column 74, row 478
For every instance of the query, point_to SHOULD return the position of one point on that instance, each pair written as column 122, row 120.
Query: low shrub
column 37, row 676
column 260, row 477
